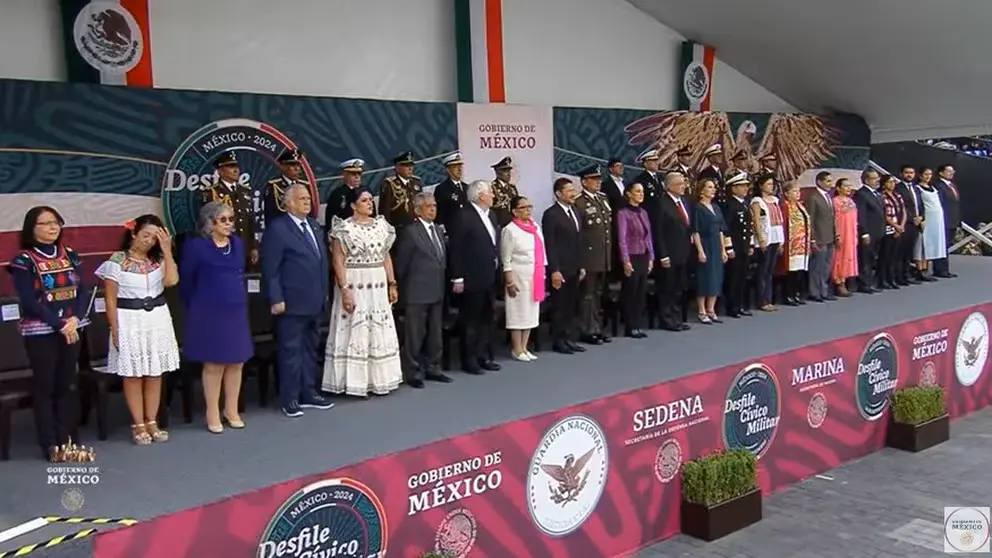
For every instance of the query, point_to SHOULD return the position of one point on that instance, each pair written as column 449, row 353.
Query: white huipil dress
column 932, row 242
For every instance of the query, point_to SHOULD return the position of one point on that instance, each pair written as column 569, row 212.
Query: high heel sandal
column 704, row 319
column 157, row 434
column 236, row 424
column 715, row 319
column 139, row 435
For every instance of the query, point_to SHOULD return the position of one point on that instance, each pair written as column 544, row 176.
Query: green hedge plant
column 918, row 404
column 435, row 554
column 719, row 477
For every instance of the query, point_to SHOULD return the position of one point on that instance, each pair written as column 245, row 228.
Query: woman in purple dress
column 212, row 286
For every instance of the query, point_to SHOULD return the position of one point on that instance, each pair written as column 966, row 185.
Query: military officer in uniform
column 738, row 164
column 396, row 194
column 596, row 252
column 685, row 167
column 450, row 194
column 228, row 190
column 503, row 191
column 351, row 178
column 714, row 155
column 769, row 166
column 650, row 178
column 738, row 243
column 290, row 163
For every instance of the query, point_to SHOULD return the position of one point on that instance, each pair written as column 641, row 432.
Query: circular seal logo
column 752, row 410
column 191, row 167
column 336, row 517
column 696, row 82
column 567, row 475
column 72, row 499
column 668, row 460
column 456, row 534
column 972, row 350
column 967, row 530
column 928, row 375
column 878, row 372
column 108, row 37
column 816, row 412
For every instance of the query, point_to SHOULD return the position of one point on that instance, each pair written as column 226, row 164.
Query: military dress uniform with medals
column 239, row 198
column 337, row 202
column 450, row 195
column 503, row 193
column 595, row 246
column 739, row 238
column 396, row 195
column 715, row 173
column 275, row 190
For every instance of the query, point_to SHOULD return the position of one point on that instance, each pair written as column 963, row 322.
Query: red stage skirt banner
column 596, row 479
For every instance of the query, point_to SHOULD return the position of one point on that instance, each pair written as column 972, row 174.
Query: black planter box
column 711, row 522
column 918, row 437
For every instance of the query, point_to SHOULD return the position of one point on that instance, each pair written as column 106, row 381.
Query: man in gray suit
column 820, row 206
column 420, row 271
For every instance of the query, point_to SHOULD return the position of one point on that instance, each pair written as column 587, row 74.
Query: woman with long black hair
column 54, row 308
column 142, row 339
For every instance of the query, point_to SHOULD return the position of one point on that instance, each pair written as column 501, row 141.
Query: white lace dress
column 146, row 341
column 363, row 353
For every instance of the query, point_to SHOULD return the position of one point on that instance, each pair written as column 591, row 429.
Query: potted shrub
column 720, row 494
column 918, row 418
column 435, row 554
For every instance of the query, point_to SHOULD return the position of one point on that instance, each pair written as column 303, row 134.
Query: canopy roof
column 912, row 68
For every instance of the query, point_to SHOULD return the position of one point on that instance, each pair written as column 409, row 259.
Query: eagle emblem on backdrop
column 799, row 141
column 570, row 476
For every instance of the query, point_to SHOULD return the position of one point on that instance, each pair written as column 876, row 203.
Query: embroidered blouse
column 895, row 209
column 50, row 288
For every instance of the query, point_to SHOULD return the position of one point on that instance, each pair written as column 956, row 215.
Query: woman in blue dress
column 708, row 237
column 217, row 334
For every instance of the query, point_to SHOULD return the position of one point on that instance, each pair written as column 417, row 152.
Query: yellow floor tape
column 24, row 550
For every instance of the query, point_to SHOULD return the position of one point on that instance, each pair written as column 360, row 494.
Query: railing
column 971, row 233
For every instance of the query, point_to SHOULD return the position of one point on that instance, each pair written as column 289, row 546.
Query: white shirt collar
column 297, row 220
column 427, row 225
column 738, row 198
column 480, row 210
column 676, row 199
column 228, row 185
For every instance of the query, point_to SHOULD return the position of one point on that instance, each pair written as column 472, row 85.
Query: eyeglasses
column 48, row 224
column 225, row 219
column 525, row 207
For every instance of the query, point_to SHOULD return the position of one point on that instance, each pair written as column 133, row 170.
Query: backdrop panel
column 803, row 143
column 601, row 475
column 102, row 155
column 487, row 133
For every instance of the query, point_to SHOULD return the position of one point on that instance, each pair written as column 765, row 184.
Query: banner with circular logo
column 752, row 410
column 567, row 475
column 878, row 373
column 191, row 169
column 333, row 517
column 972, row 349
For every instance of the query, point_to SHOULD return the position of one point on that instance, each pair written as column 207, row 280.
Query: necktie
column 435, row 241
column 309, row 234
column 683, row 212
column 571, row 216
column 954, row 191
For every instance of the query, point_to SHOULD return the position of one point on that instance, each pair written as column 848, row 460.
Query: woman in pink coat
column 845, row 263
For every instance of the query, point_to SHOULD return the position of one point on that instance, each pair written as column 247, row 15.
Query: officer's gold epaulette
column 391, row 180
column 275, row 181
column 415, row 177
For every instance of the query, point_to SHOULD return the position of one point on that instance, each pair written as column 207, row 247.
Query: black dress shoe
column 640, row 334
column 791, row 301
column 490, row 366
column 951, row 275
column 475, row 371
column 684, row 327
column 815, row 299
column 575, row 347
column 830, row 298
column 562, row 348
column 439, row 377
column 913, row 281
column 591, row 340
column 866, row 290
column 416, row 383
column 604, row 338
column 927, row 278
column 746, row 313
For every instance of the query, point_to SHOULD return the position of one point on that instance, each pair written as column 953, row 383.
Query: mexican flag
column 696, row 77
column 107, row 41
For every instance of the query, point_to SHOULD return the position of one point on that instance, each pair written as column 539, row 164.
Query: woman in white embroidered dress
column 522, row 255
column 142, row 341
column 362, row 354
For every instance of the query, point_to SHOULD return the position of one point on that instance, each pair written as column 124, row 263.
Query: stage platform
column 631, row 448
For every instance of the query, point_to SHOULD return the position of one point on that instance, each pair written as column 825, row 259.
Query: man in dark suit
column 740, row 233
column 420, row 264
column 670, row 233
column 950, row 200
column 295, row 277
column 686, row 166
column 450, row 194
column 564, row 265
column 823, row 237
column 473, row 263
column 595, row 244
column 871, row 230
column 613, row 184
column 715, row 170
column 906, row 272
